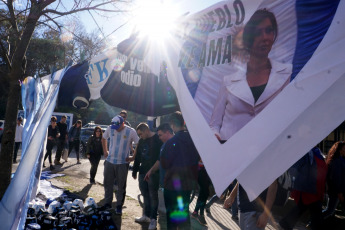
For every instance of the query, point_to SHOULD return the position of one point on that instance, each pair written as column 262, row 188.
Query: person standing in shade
column 179, row 159
column 204, row 182
column 53, row 135
column 17, row 138
column 74, row 139
column 62, row 139
column 116, row 162
column 94, row 152
column 147, row 154
column 335, row 178
column 164, row 133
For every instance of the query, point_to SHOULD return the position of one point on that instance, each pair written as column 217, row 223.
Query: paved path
column 219, row 218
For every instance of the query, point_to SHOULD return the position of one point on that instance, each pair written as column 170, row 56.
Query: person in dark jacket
column 147, row 153
column 335, row 177
column 74, row 139
column 94, row 151
column 53, row 134
column 62, row 139
column 179, row 159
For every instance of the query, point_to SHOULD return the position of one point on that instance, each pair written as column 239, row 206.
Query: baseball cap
column 116, row 122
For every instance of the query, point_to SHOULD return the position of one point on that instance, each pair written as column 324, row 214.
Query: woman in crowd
column 335, row 177
column 94, row 151
column 245, row 93
column 74, row 139
column 53, row 134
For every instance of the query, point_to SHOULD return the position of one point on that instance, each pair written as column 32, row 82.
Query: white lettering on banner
column 209, row 54
column 131, row 79
column 218, row 50
column 220, row 18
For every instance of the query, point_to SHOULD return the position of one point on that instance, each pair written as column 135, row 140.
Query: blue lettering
column 101, row 70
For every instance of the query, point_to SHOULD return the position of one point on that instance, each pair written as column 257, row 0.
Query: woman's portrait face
column 263, row 39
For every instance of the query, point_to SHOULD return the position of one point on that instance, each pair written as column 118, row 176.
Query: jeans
column 94, row 166
column 204, row 183
column 177, row 209
column 60, row 146
column 119, row 173
column 16, row 148
column 331, row 206
column 50, row 146
column 74, row 144
column 149, row 190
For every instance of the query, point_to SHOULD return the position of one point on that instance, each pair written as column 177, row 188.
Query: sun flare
column 155, row 19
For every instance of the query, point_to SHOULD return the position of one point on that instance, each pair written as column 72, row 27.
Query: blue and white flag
column 23, row 187
column 207, row 61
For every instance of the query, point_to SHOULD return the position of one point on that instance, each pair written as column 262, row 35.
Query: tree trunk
column 6, row 155
column 15, row 74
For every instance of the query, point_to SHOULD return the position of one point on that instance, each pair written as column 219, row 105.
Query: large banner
column 122, row 79
column 39, row 98
column 259, row 84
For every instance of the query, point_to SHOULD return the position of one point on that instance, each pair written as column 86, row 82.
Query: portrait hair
column 249, row 29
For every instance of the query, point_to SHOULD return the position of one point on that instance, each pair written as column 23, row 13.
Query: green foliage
column 43, row 55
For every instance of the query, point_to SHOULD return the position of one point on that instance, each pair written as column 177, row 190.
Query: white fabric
column 24, row 184
column 120, row 143
column 19, row 132
column 305, row 112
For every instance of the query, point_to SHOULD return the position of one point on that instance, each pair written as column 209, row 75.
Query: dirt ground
column 79, row 187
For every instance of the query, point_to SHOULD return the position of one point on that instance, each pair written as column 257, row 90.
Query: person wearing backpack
column 309, row 180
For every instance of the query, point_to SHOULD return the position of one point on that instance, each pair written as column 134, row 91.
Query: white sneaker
column 143, row 219
column 153, row 224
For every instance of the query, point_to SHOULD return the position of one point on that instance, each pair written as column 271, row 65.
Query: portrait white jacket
column 235, row 105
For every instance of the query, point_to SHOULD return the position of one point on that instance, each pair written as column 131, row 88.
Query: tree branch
column 52, row 20
column 96, row 7
column 4, row 52
column 12, row 18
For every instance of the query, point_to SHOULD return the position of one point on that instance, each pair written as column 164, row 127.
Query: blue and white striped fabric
column 120, row 143
column 23, row 187
column 311, row 37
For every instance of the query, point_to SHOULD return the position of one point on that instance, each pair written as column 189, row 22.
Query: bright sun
column 155, row 18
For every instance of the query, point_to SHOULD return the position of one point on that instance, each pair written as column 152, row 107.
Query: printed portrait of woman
column 245, row 92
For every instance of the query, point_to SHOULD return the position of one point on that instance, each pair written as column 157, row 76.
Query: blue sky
column 108, row 25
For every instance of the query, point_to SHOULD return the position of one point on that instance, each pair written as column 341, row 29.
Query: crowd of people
column 168, row 158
